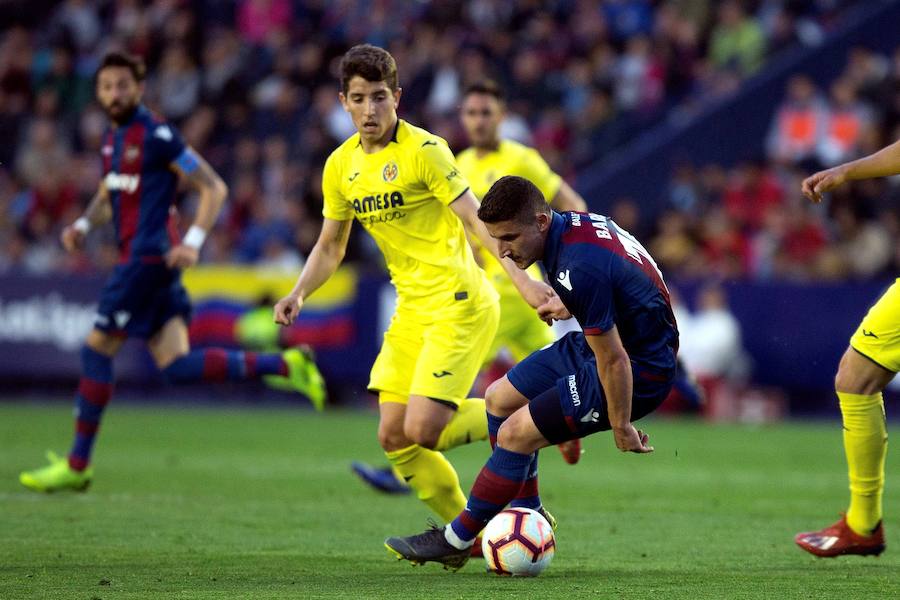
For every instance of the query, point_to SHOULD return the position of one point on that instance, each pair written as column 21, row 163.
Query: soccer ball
column 518, row 541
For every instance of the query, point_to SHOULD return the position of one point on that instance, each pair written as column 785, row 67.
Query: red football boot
column 571, row 451
column 839, row 539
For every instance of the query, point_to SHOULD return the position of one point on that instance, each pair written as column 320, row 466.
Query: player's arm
column 880, row 164
column 536, row 293
column 212, row 191
column 98, row 212
column 323, row 261
column 567, row 199
column 614, row 371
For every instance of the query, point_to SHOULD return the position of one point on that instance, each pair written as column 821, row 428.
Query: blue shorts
column 565, row 397
column 139, row 298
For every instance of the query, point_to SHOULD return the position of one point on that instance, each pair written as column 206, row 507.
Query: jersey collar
column 140, row 111
column 552, row 243
column 393, row 136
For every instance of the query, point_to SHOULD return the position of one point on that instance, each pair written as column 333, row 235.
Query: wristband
column 82, row 224
column 194, row 237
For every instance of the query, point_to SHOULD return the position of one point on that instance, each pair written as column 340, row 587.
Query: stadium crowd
column 251, row 84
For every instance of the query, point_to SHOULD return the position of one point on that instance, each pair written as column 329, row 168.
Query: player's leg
column 453, row 345
column 496, row 485
column 865, row 369
column 523, row 333
column 170, row 349
column 454, row 349
column 94, row 393
column 503, row 400
column 427, row 472
column 859, row 383
column 406, row 444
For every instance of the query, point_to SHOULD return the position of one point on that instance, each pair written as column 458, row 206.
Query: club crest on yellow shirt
column 390, row 171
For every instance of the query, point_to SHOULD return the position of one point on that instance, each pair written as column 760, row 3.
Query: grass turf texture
column 222, row 503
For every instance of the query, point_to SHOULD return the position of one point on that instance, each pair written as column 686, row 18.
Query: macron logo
column 563, row 279
column 163, row 132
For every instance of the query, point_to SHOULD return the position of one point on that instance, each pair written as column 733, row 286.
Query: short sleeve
column 334, row 204
column 536, row 170
column 166, row 143
column 592, row 302
column 439, row 171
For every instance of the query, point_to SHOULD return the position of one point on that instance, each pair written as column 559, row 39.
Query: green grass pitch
column 260, row 503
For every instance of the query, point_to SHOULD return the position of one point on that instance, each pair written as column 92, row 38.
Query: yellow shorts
column 435, row 354
column 878, row 336
column 521, row 331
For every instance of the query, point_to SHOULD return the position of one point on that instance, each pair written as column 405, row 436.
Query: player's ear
column 543, row 221
column 343, row 100
column 397, row 94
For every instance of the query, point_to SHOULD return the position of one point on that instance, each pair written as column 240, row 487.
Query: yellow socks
column 469, row 424
column 432, row 477
column 865, row 444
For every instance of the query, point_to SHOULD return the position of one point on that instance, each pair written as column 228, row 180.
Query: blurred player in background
column 403, row 185
column 521, row 331
column 489, row 158
column 868, row 365
column 143, row 159
column 618, row 369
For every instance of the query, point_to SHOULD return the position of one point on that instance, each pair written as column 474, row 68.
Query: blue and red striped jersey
column 605, row 277
column 136, row 170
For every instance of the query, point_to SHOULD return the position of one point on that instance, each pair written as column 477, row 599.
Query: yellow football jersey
column 510, row 158
column 401, row 195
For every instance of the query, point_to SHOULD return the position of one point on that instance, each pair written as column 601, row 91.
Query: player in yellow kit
column 868, row 365
column 520, row 332
column 489, row 158
column 402, row 184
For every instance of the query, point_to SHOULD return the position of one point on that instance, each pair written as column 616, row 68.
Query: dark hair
column 485, row 86
column 369, row 62
column 512, row 198
column 121, row 59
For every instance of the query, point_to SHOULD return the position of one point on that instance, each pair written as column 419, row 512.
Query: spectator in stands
column 737, row 42
column 586, row 77
column 711, row 346
column 846, row 122
column 797, row 125
column 751, row 192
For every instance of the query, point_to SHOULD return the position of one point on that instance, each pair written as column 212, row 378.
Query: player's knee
column 499, row 401
column 423, row 433
column 492, row 397
column 391, row 438
column 508, row 434
column 857, row 377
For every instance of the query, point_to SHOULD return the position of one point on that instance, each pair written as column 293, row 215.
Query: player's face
column 522, row 243
column 481, row 115
column 118, row 92
column 373, row 107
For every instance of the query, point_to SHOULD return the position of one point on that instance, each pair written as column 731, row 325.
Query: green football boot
column 550, row 518
column 303, row 376
column 256, row 330
column 58, row 475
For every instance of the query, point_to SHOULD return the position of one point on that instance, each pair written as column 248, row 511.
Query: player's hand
column 537, row 293
column 553, row 310
column 824, row 181
column 629, row 439
column 72, row 239
column 287, row 309
column 182, row 257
